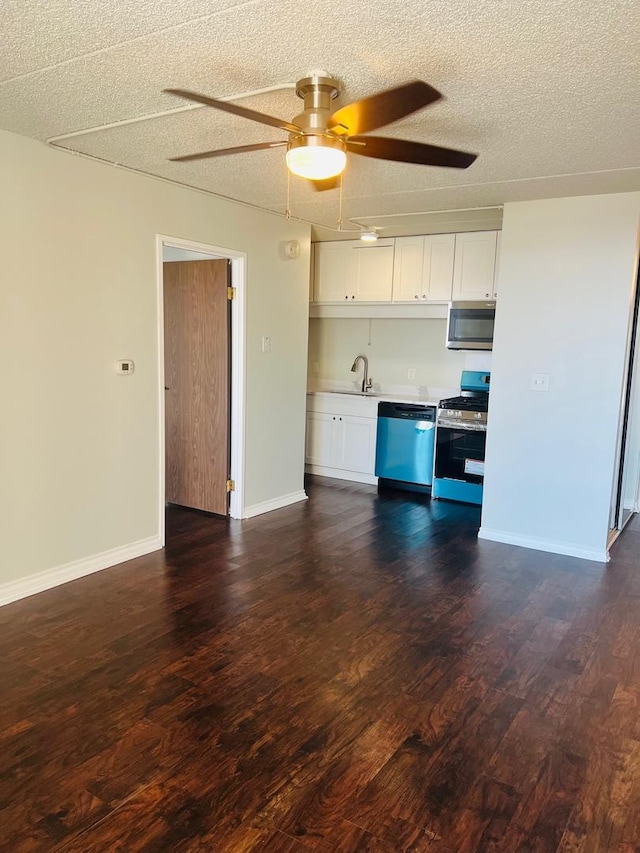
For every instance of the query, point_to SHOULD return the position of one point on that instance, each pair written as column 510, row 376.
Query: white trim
column 341, row 474
column 32, row 584
column 238, row 378
column 275, row 503
column 619, row 461
column 565, row 548
column 238, row 384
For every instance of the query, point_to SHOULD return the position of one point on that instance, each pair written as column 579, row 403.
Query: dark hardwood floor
column 356, row 673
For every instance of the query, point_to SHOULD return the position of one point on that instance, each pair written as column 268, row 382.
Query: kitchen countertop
column 428, row 397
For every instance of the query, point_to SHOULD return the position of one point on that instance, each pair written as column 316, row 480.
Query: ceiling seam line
column 92, row 53
column 490, row 183
column 162, row 113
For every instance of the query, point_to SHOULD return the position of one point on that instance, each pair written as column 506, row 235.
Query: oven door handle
column 468, row 426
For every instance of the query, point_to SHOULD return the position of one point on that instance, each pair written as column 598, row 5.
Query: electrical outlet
column 411, row 373
column 539, row 381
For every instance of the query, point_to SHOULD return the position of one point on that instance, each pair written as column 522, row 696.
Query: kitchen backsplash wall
column 393, row 347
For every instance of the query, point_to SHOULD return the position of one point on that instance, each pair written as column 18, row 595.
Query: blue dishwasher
column 405, row 445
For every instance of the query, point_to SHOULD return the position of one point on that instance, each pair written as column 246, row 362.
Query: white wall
column 79, row 444
column 392, row 347
column 566, row 274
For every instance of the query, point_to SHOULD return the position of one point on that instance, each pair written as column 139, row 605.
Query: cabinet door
column 373, row 272
column 334, row 271
column 407, row 269
column 474, row 265
column 312, row 274
column 356, row 445
column 497, row 269
column 320, row 440
column 437, row 267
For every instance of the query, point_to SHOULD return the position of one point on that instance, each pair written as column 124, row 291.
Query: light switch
column 539, row 381
column 266, row 343
column 411, row 373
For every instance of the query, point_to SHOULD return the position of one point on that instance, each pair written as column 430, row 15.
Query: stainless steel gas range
column 461, row 429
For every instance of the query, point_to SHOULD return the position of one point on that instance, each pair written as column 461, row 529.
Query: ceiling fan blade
column 221, row 152
column 383, row 108
column 405, row 151
column 228, row 107
column 326, row 184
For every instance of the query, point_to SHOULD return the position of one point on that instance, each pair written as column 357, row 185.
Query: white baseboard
column 275, row 503
column 564, row 548
column 32, row 584
column 340, row 474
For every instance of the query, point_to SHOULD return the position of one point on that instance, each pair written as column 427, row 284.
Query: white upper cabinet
column 474, row 266
column 335, row 266
column 374, row 271
column 437, row 267
column 350, row 271
column 423, row 268
column 407, row 270
column 497, row 269
column 312, row 273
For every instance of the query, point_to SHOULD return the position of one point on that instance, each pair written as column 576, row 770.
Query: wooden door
column 197, row 383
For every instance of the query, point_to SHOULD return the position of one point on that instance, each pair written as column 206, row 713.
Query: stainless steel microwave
column 470, row 325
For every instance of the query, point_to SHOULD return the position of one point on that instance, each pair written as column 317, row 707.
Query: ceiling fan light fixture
column 316, row 157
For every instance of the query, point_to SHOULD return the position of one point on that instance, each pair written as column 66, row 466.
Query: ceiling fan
column 320, row 139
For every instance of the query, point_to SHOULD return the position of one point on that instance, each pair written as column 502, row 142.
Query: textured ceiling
column 545, row 91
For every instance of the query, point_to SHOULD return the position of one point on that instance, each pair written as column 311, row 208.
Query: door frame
column 629, row 378
column 238, row 374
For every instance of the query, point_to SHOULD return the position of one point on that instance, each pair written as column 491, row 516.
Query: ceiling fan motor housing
column 317, row 93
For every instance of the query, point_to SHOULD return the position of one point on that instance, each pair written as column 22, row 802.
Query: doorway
column 201, row 298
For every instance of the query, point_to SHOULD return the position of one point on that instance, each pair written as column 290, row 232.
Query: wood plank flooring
column 355, row 673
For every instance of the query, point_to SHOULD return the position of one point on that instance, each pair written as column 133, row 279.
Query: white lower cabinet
column 320, row 444
column 356, row 444
column 341, row 443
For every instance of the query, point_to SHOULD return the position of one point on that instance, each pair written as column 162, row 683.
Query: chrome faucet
column 367, row 384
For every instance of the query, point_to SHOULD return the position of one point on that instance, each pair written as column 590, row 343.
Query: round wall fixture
column 292, row 250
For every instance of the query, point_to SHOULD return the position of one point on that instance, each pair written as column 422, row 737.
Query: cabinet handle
column 346, row 297
column 424, row 295
column 487, row 294
column 416, row 296
column 353, row 297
